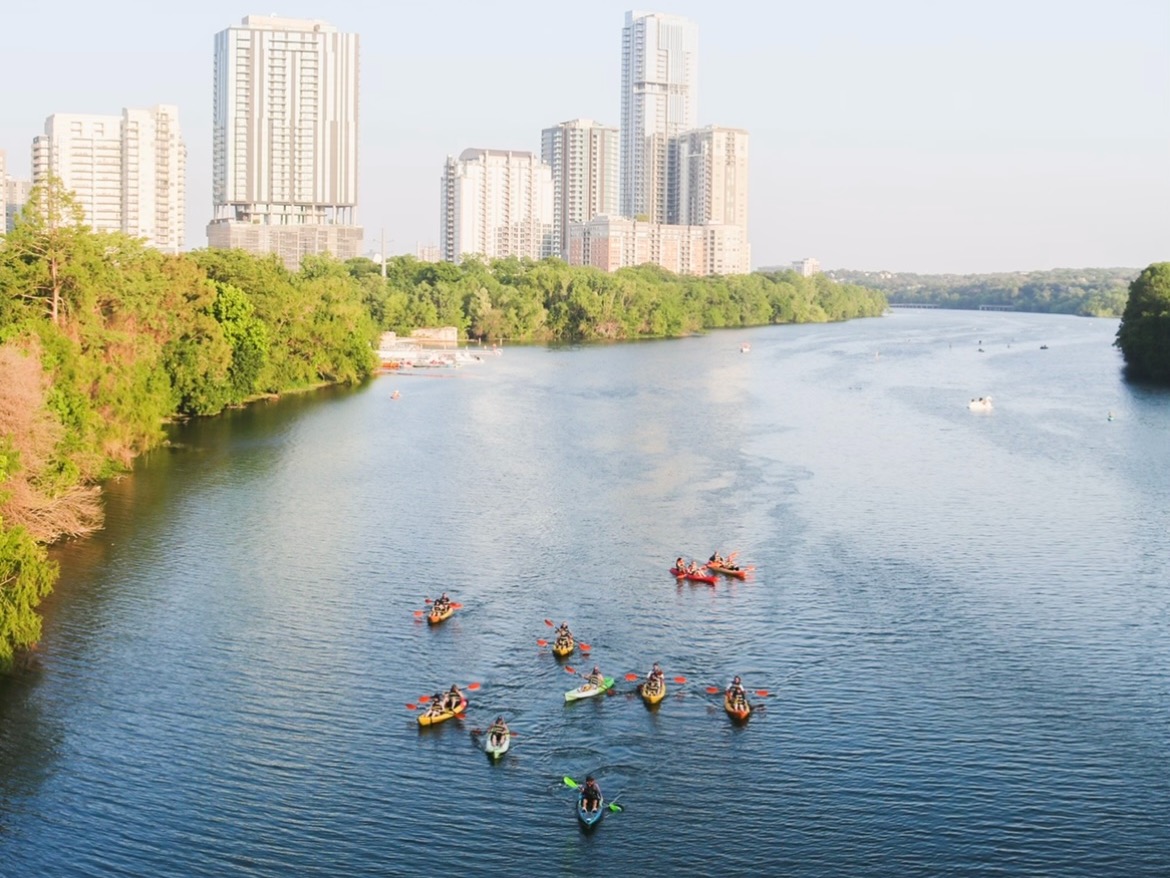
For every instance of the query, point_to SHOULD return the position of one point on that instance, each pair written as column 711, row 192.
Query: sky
column 903, row 136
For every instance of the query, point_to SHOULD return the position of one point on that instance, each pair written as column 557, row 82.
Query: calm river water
column 964, row 619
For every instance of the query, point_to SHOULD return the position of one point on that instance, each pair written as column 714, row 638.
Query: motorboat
column 982, row 404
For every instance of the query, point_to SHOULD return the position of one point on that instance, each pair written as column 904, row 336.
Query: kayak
column 651, row 696
column 436, row 617
column 588, row 690
column 739, row 714
column 561, row 651
column 430, row 719
column 497, row 750
column 589, row 818
column 737, row 572
column 693, row 577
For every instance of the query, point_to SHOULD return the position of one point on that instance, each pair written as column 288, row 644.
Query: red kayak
column 692, row 577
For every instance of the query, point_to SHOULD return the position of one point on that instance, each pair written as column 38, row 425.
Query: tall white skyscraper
column 659, row 102
column 711, row 168
column 583, row 156
column 285, row 140
column 496, row 203
column 128, row 172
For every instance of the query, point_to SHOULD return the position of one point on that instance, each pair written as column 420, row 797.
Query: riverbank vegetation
column 1090, row 292
column 1144, row 334
column 104, row 340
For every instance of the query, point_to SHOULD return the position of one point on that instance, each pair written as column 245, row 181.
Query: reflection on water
column 962, row 619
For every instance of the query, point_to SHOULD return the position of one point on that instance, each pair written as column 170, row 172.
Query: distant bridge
column 912, row 305
column 997, row 307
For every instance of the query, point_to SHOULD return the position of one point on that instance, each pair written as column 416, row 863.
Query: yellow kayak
column 430, row 719
column 561, row 650
column 652, row 696
column 436, row 617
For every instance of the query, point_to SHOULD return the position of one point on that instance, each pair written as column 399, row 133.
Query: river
column 961, row 618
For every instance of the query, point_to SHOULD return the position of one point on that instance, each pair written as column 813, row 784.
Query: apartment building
column 659, row 101
column 711, row 168
column 285, row 139
column 496, row 203
column 583, row 156
column 128, row 172
column 610, row 243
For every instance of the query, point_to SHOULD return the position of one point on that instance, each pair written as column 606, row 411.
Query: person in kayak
column 595, row 678
column 655, row 678
column 453, row 697
column 591, row 795
column 735, row 693
column 436, row 706
column 496, row 731
column 680, row 566
column 442, row 603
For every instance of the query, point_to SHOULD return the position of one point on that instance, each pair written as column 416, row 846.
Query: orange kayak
column 740, row 713
column 435, row 618
column 737, row 572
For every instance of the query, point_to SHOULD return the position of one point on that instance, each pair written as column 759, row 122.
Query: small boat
column 588, row 690
column 738, row 713
column 692, row 577
column 563, row 648
column 438, row 616
column 737, row 572
column 1043, row 347
column 745, row 347
column 652, row 695
column 430, row 719
column 499, row 748
column 982, row 404
column 589, row 818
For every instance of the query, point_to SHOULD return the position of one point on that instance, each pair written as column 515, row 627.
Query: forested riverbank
column 103, row 341
column 1090, row 292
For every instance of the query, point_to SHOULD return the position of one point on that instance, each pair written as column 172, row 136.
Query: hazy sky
column 909, row 136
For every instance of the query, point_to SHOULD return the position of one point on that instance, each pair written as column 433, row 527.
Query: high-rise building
column 496, row 203
column 659, row 102
column 711, row 168
column 583, row 156
column 128, row 172
column 807, row 267
column 285, row 139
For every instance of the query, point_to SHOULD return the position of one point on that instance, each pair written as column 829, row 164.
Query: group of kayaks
column 704, row 572
column 652, row 690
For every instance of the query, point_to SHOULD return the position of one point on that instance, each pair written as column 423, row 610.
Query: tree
column 1144, row 334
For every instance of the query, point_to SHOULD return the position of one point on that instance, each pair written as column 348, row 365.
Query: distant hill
column 1092, row 292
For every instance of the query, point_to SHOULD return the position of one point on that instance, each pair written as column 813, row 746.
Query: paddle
column 549, row 623
column 585, row 647
column 540, row 642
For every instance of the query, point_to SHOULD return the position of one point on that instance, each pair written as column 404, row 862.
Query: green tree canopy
column 1144, row 334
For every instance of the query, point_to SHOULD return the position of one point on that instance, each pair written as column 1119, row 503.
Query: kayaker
column 595, row 677
column 436, row 706
column 496, row 731
column 680, row 566
column 716, row 559
column 453, row 697
column 591, row 795
column 735, row 693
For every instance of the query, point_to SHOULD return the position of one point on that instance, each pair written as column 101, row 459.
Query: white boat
column 982, row 404
column 745, row 347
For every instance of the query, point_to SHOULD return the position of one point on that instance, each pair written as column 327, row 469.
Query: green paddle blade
column 614, row 806
column 569, row 782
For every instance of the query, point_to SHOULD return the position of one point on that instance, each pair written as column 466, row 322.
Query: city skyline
column 902, row 138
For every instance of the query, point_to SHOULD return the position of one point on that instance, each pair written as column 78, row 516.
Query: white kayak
column 498, row 748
